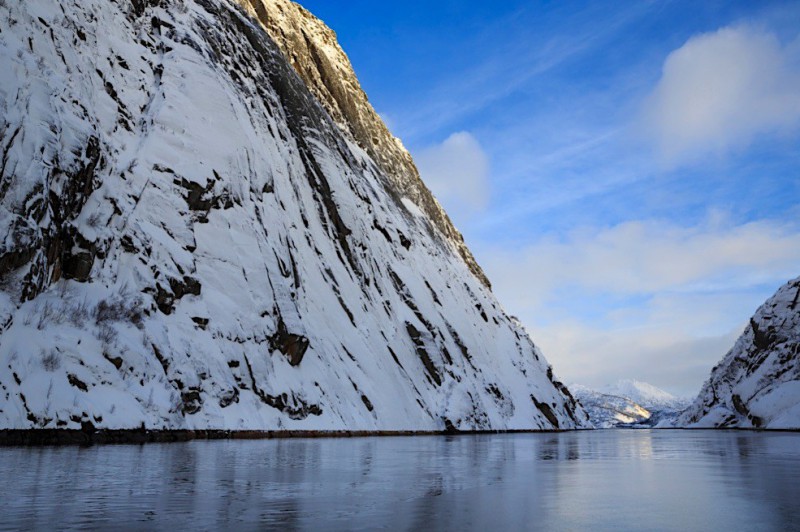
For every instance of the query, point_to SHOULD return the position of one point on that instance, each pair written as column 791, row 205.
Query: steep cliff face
column 313, row 51
column 189, row 238
column 757, row 384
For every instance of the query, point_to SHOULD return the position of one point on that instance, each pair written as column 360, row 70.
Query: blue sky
column 628, row 173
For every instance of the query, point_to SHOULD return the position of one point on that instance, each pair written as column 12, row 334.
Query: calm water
column 602, row 480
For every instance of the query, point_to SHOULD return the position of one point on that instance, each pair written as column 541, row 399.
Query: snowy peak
column 607, row 410
column 757, row 383
column 645, row 394
column 190, row 238
column 628, row 402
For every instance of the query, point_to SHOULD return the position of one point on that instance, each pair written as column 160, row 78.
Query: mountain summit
column 206, row 226
column 644, row 393
column 628, row 402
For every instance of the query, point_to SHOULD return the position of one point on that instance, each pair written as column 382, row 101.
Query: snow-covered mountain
column 647, row 395
column 757, row 384
column 628, row 402
column 607, row 410
column 204, row 224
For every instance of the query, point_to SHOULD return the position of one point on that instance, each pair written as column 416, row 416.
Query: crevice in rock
column 298, row 409
column 545, row 409
column 294, row 346
column 422, row 353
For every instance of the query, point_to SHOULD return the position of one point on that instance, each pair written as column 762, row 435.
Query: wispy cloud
column 721, row 90
column 646, row 257
column 457, row 171
column 514, row 55
column 535, row 182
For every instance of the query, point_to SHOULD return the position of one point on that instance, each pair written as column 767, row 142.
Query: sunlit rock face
column 312, row 50
column 195, row 236
column 757, row 384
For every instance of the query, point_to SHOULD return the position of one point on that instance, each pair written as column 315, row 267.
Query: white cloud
column 643, row 299
column 674, row 358
column 720, row 91
column 457, row 172
column 645, row 257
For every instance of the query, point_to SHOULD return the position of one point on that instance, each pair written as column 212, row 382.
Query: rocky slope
column 193, row 236
column 757, row 384
column 312, row 50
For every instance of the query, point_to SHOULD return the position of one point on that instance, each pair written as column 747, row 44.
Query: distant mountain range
column 628, row 402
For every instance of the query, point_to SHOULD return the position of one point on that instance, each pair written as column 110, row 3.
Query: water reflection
column 768, row 471
column 602, row 480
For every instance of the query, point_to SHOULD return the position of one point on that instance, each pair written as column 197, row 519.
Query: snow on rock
column 607, row 410
column 644, row 393
column 628, row 402
column 189, row 239
column 313, row 51
column 757, row 384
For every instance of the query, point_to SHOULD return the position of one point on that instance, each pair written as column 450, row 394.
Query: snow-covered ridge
column 608, row 410
column 188, row 240
column 644, row 393
column 313, row 51
column 628, row 402
column 757, row 384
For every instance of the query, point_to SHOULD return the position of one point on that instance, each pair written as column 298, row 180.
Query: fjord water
column 591, row 480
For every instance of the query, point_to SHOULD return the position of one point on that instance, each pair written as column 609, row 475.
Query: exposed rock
column 76, row 382
column 294, row 346
column 367, row 403
column 228, row 398
column 191, row 401
column 117, row 361
column 547, row 411
column 201, row 322
column 449, row 427
column 422, row 352
column 165, row 298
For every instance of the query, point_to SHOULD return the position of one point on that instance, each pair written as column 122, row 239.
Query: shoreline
column 60, row 437
column 66, row 437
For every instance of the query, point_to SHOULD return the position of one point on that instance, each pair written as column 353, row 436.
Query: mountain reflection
column 612, row 479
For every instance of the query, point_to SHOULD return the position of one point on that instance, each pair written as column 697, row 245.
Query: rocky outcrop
column 192, row 237
column 757, row 384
